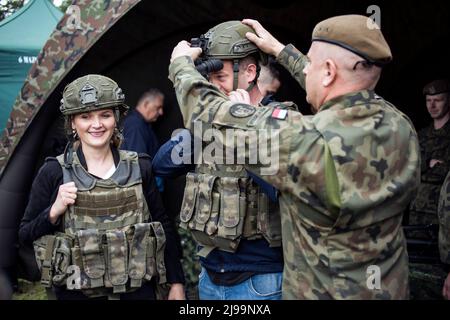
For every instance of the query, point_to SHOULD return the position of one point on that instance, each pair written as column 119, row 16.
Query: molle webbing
column 221, row 205
column 106, row 235
column 106, row 203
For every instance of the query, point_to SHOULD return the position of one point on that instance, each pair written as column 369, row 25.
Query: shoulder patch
column 242, row 110
column 279, row 113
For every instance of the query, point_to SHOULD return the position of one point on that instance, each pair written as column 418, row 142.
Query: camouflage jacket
column 434, row 144
column 444, row 221
column 345, row 176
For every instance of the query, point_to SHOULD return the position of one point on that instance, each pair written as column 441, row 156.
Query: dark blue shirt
column 138, row 135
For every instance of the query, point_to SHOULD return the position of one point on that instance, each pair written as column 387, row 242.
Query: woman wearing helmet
column 94, row 215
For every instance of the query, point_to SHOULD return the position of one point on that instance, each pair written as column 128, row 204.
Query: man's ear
column 330, row 72
column 251, row 72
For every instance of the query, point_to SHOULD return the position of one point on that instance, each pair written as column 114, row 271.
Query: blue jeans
column 259, row 287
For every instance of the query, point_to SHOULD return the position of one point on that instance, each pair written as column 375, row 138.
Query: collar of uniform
column 350, row 99
column 82, row 159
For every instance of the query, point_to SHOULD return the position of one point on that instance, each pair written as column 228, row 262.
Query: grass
column 29, row 291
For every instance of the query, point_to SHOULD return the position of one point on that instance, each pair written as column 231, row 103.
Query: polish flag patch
column 279, row 114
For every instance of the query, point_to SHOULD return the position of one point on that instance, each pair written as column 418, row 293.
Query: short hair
column 273, row 70
column 150, row 94
column 251, row 59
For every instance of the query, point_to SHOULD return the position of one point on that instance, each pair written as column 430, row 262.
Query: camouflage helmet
column 92, row 92
column 228, row 41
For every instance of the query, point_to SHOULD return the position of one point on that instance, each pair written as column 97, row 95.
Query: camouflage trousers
column 191, row 263
column 426, row 281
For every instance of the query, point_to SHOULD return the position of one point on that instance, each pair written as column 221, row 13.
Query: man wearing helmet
column 94, row 216
column 234, row 220
column 345, row 175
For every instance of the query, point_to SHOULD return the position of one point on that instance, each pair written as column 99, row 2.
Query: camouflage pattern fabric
column 107, row 232
column 191, row 264
column 426, row 281
column 444, row 221
column 434, row 144
column 58, row 56
column 345, row 176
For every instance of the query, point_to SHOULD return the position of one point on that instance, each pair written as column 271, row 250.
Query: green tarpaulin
column 22, row 35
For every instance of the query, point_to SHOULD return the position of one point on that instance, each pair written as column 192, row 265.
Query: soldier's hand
column 264, row 40
column 240, row 95
column 183, row 48
column 446, row 288
column 176, row 292
column 67, row 193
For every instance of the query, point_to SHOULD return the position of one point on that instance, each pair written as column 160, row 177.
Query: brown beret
column 436, row 87
column 353, row 32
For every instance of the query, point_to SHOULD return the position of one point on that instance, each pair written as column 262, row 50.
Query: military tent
column 131, row 41
column 22, row 36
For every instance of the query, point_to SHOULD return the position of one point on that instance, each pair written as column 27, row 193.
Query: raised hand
column 263, row 39
column 67, row 194
column 183, row 48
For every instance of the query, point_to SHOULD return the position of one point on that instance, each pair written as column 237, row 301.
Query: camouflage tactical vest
column 222, row 205
column 105, row 233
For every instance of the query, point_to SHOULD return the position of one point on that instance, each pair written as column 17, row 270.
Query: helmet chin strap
column 235, row 73
column 236, row 76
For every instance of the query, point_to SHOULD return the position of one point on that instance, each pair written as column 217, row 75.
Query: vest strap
column 205, row 251
column 47, row 272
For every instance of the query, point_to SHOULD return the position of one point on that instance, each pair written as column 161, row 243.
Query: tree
column 64, row 5
column 9, row 6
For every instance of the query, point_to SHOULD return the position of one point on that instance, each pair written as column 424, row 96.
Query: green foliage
column 64, row 5
column 190, row 262
column 9, row 7
column 30, row 291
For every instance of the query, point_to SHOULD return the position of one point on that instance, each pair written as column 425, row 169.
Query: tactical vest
column 106, row 236
column 222, row 205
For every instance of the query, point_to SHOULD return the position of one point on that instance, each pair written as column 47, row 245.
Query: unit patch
column 242, row 110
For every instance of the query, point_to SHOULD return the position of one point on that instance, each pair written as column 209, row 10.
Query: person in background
column 137, row 130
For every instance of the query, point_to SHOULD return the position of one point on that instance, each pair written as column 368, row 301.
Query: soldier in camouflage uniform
column 427, row 273
column 345, row 174
column 234, row 220
column 94, row 215
column 435, row 154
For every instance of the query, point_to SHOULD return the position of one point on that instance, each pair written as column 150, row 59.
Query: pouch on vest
column 269, row 221
column 117, row 260
column 92, row 256
column 138, row 253
column 189, row 199
column 250, row 230
column 232, row 209
column 204, row 202
column 62, row 259
column 160, row 237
